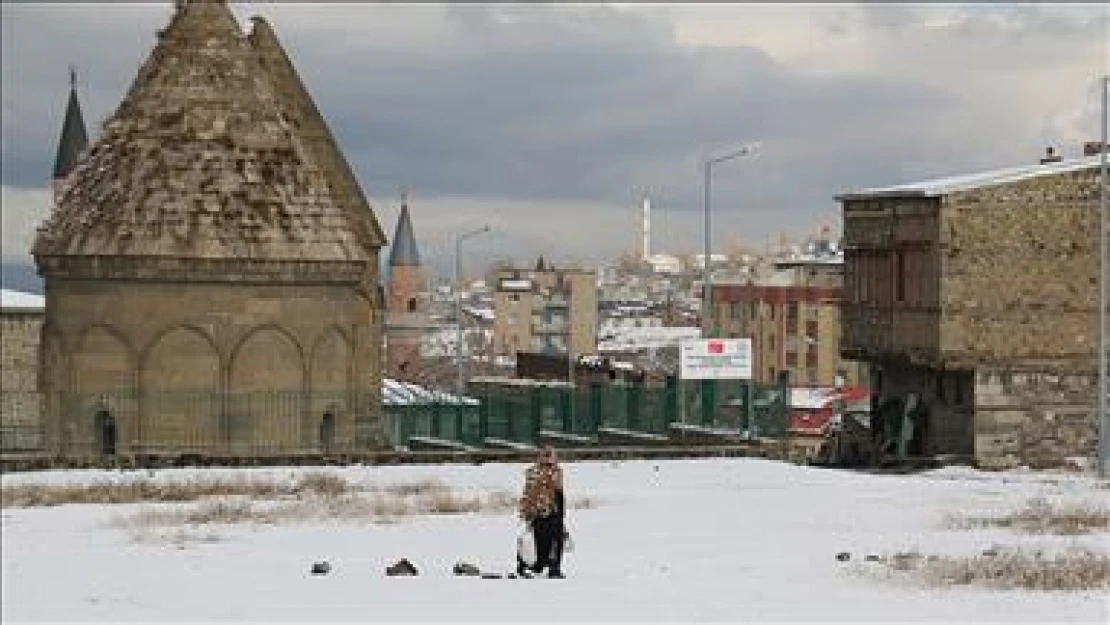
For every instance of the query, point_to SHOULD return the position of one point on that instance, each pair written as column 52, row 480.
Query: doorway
column 105, row 426
column 327, row 431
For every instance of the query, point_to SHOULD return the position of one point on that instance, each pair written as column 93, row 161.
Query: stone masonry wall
column 1019, row 273
column 161, row 357
column 1019, row 300
column 20, row 406
column 1035, row 418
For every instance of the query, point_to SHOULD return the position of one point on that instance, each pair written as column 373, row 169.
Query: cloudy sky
column 547, row 122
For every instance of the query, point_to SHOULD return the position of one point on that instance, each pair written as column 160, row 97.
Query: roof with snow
column 397, row 393
column 821, row 397
column 635, row 339
column 485, row 314
column 966, row 182
column 515, row 284
column 18, row 301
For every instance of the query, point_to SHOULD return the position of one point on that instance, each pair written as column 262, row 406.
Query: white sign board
column 716, row 359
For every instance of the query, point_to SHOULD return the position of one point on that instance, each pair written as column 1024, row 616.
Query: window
column 792, row 317
column 811, row 355
column 412, row 304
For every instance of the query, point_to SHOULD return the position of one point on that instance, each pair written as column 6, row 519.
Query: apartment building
column 543, row 309
column 792, row 315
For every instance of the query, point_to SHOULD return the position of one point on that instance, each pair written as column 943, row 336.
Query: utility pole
column 1103, row 417
column 460, row 386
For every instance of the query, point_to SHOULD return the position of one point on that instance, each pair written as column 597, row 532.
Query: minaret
column 405, row 309
column 647, row 228
column 73, row 142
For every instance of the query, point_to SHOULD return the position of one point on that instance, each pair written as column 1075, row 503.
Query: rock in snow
column 401, row 568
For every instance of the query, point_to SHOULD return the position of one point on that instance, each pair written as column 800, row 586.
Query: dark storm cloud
column 515, row 101
column 496, row 108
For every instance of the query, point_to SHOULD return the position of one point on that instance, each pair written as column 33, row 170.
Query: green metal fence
column 297, row 422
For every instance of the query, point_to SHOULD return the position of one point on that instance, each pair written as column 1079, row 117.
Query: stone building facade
column 21, row 317
column 211, row 264
column 977, row 295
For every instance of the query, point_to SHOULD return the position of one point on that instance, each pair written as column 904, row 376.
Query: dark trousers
column 548, row 531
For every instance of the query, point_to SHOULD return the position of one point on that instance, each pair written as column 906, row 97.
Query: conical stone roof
column 74, row 138
column 404, row 252
column 199, row 162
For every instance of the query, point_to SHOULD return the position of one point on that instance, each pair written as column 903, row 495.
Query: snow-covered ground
column 702, row 540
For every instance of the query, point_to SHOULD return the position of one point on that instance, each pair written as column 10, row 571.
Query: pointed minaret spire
column 74, row 139
column 404, row 251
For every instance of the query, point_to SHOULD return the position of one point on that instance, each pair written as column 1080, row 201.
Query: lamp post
column 571, row 368
column 1103, row 417
column 458, row 309
column 707, row 166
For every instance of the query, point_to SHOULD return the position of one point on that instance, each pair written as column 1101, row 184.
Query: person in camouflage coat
column 543, row 507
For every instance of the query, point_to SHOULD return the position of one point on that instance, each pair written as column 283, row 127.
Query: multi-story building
column 792, row 316
column 544, row 309
column 973, row 298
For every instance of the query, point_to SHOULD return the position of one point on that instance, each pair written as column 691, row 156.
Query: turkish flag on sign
column 716, row 347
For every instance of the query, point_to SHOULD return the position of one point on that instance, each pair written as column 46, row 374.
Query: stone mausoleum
column 211, row 265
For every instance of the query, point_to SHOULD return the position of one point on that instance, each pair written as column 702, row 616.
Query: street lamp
column 458, row 309
column 707, row 166
column 1103, row 417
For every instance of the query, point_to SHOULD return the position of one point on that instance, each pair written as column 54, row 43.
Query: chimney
column 1091, row 148
column 1050, row 156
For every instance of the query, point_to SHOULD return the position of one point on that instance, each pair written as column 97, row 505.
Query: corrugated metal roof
column 965, row 182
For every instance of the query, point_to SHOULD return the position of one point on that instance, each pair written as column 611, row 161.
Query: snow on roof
column 397, row 393
column 510, row 284
column 952, row 184
column 23, row 302
column 807, row 398
column 643, row 338
column 485, row 314
column 820, row 397
column 508, row 381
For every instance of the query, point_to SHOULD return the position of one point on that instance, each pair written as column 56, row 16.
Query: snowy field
column 735, row 540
